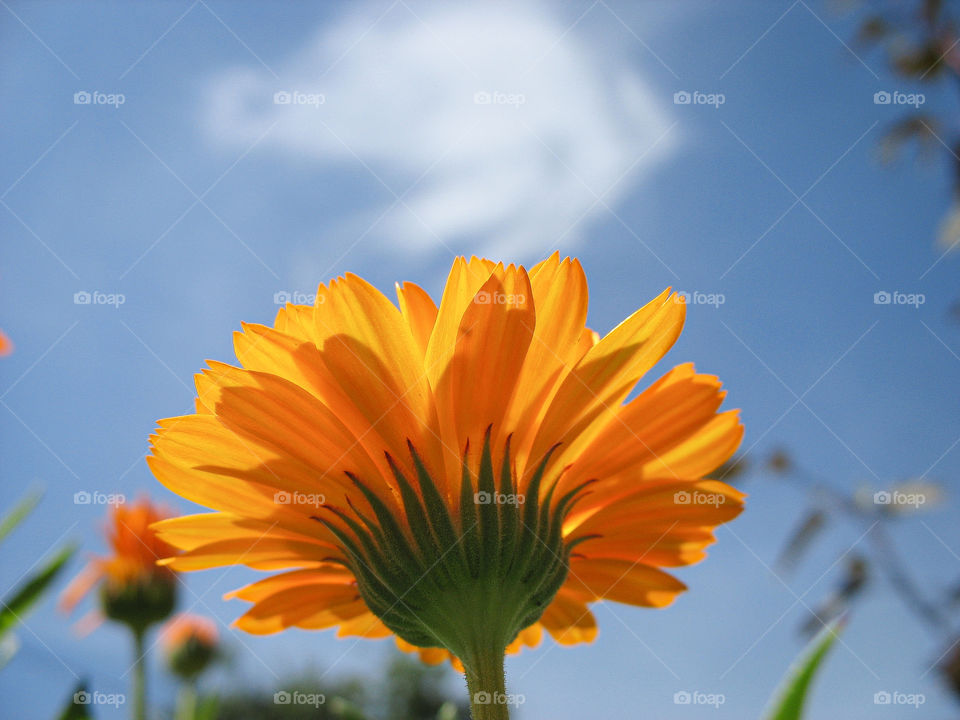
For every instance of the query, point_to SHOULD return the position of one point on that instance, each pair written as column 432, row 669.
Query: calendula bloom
column 463, row 476
column 190, row 642
column 134, row 589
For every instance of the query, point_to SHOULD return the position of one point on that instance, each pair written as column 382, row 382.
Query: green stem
column 487, row 687
column 187, row 703
column 139, row 676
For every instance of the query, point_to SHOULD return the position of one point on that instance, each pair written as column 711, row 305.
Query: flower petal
column 569, row 621
column 475, row 391
column 590, row 395
column 419, row 311
column 560, row 297
column 621, row 581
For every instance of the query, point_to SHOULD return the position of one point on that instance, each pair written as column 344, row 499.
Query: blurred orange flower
column 6, row 344
column 187, row 627
column 190, row 642
column 134, row 588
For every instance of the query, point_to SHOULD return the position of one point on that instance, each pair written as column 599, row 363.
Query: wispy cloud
column 495, row 128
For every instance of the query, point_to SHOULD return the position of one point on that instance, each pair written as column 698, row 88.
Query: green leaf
column 16, row 516
column 23, row 598
column 788, row 704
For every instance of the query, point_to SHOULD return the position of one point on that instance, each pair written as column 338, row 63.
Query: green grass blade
column 23, row 598
column 790, row 698
column 9, row 646
column 16, row 516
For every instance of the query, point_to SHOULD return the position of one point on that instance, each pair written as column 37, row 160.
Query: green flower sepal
column 468, row 584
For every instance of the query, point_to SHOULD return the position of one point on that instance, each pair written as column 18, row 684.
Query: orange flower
column 190, row 642
column 6, row 344
column 445, row 473
column 187, row 627
column 134, row 588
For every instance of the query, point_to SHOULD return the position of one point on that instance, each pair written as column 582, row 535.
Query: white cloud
column 567, row 117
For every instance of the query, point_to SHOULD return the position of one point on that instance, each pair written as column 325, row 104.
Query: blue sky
column 416, row 132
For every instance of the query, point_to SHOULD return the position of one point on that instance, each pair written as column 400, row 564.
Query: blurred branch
column 920, row 40
column 830, row 500
column 902, row 583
